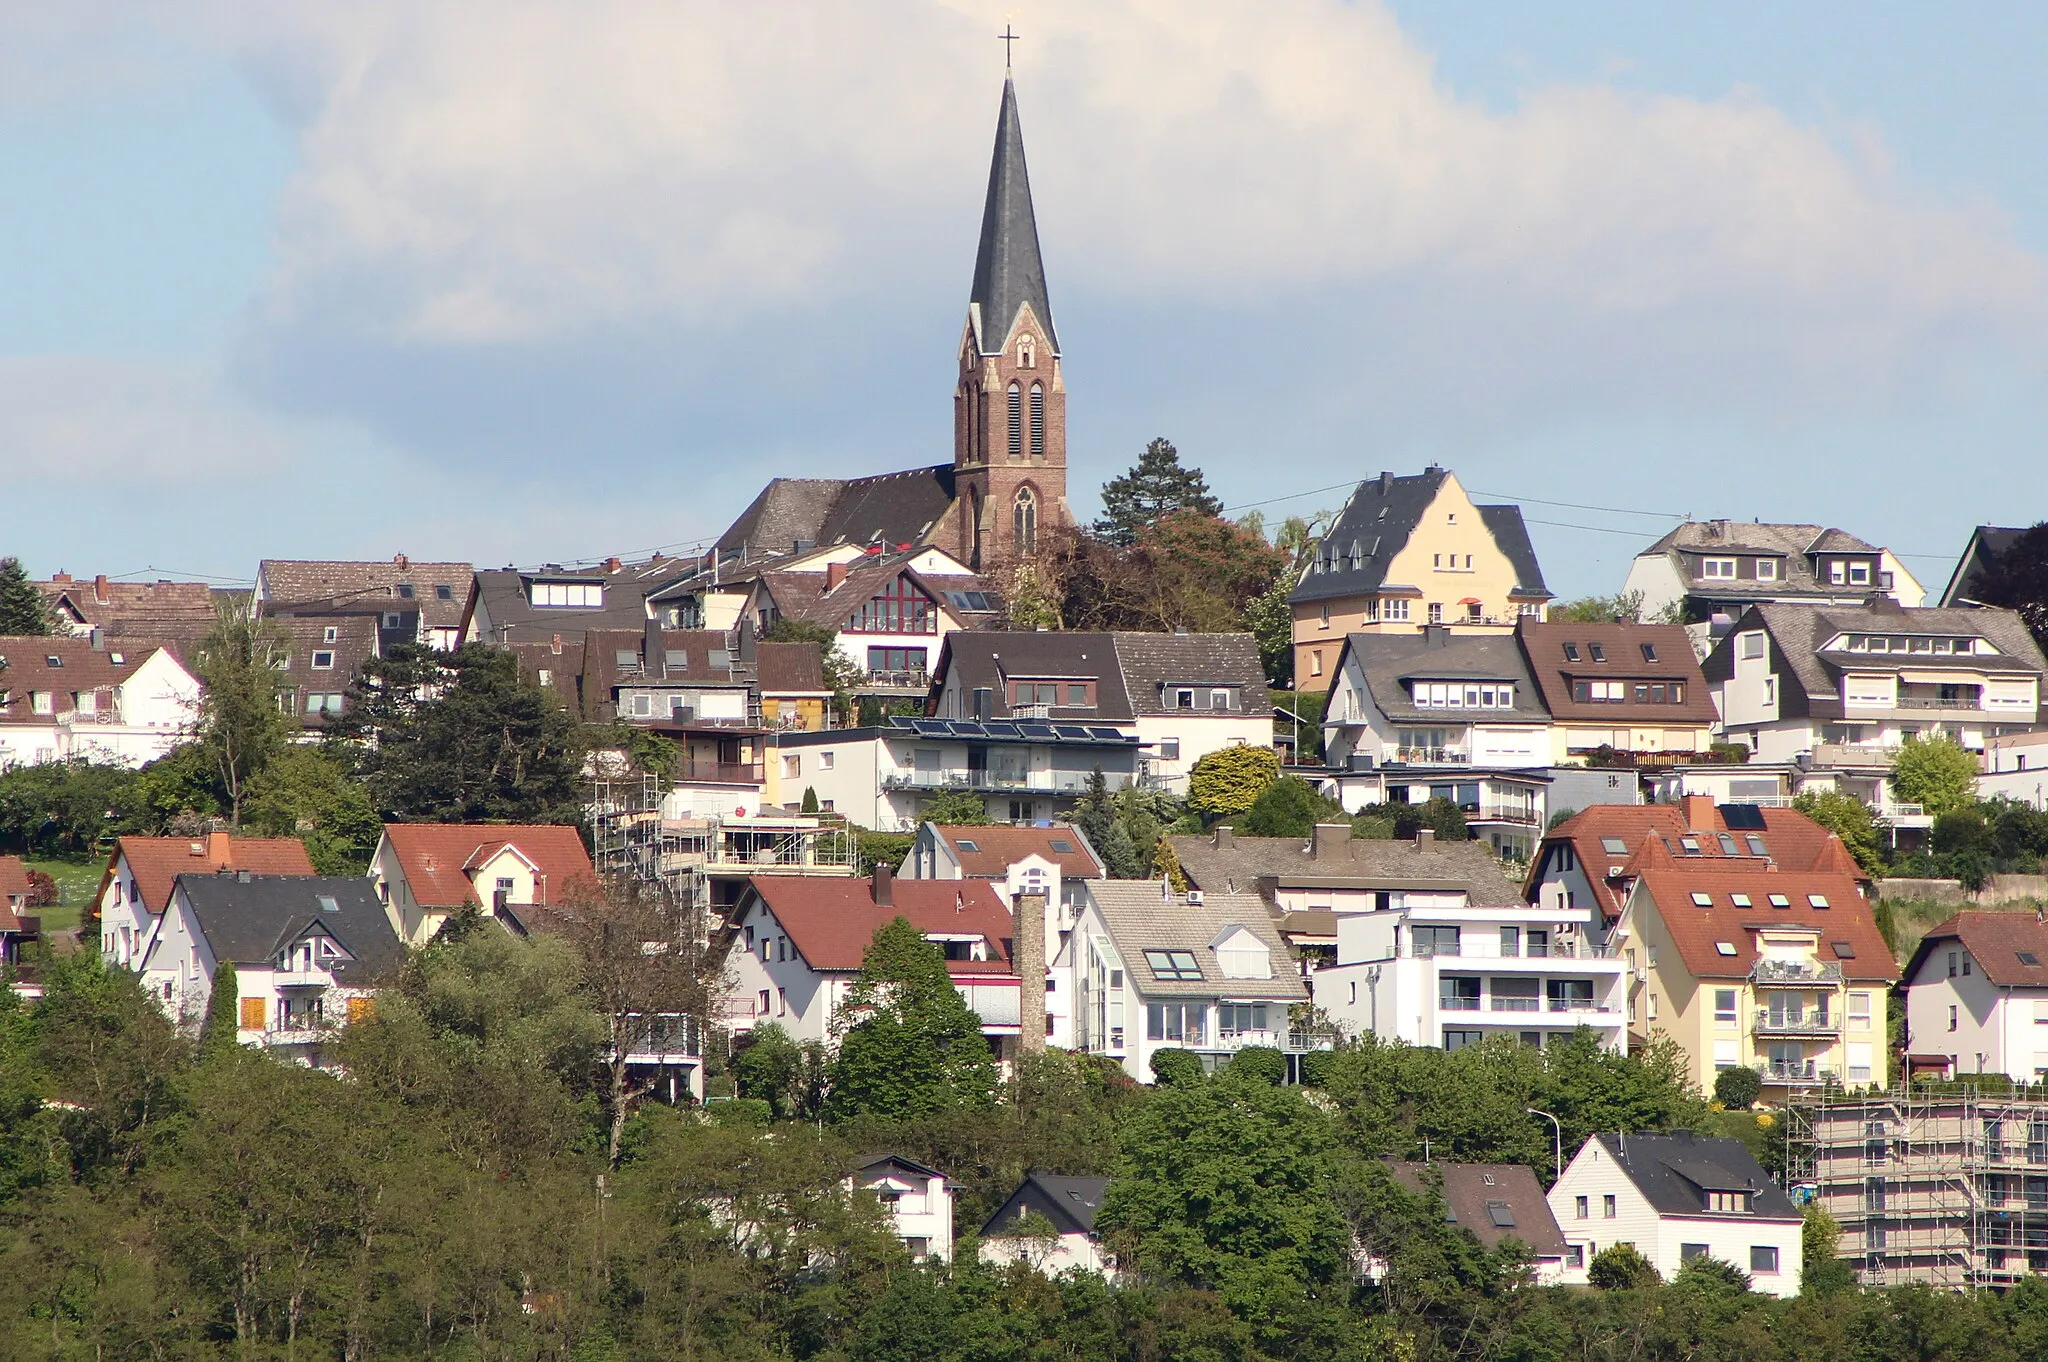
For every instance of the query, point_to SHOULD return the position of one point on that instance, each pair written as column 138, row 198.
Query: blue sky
column 521, row 282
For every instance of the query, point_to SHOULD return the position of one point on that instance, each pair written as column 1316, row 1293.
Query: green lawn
column 77, row 882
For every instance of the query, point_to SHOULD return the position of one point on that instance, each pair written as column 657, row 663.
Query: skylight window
column 1817, row 900
column 1571, row 652
column 328, row 903
column 1756, row 845
column 53, row 660
column 1599, row 652
column 1691, row 845
column 1614, row 846
column 1725, row 947
column 966, row 845
column 1499, row 1213
column 2029, row 958
column 1062, row 846
column 1174, row 966
column 1649, row 652
column 1701, row 899
column 1728, row 847
column 1843, row 950
column 1780, row 901
column 1740, row 900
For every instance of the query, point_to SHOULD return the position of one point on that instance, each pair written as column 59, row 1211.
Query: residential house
column 1977, row 996
column 19, row 922
column 1052, row 859
column 1184, row 695
column 425, row 872
column 340, row 615
column 159, row 610
column 797, row 944
column 2016, row 767
column 1743, row 963
column 309, row 953
column 1409, row 552
column 1413, row 717
column 64, row 698
column 1438, row 951
column 883, row 778
column 1494, row 1203
column 1625, row 694
column 1966, row 584
column 1151, row 970
column 1677, row 1197
column 1069, row 1205
column 323, row 655
column 1835, row 690
column 141, row 871
column 508, row 606
column 919, row 1202
column 1709, row 568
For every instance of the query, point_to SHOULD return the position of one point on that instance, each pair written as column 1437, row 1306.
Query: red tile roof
column 833, row 920
column 998, row 847
column 1848, row 932
column 434, row 856
column 155, row 862
column 1994, row 941
column 14, row 893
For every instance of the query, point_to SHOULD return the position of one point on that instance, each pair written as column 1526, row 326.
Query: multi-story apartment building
column 1624, row 693
column 1743, row 963
column 1408, row 552
column 1723, row 567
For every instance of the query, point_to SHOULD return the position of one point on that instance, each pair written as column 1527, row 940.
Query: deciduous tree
column 909, row 1045
column 1850, row 819
column 1937, row 773
column 240, row 663
column 1289, row 807
column 1229, row 779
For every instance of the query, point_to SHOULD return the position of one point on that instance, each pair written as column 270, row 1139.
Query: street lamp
column 1559, row 1137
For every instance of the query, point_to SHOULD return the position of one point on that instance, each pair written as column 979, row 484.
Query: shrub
column 1176, row 1068
column 1230, row 778
column 741, row 1111
column 1289, row 807
column 1619, row 1267
column 1262, row 1062
column 1737, row 1089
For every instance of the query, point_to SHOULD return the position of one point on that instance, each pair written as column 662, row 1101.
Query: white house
column 919, row 1202
column 141, row 872
column 1069, row 1205
column 1675, row 1197
column 309, row 952
column 1421, row 958
column 1706, row 568
column 1977, row 997
column 423, row 872
column 91, row 699
column 1053, row 859
column 798, row 942
column 1150, row 970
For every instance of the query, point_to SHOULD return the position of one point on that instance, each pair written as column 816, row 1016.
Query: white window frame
column 1717, row 569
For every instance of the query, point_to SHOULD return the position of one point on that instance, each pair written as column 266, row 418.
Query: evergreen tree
column 22, row 609
column 914, row 1047
column 1157, row 486
column 1093, row 813
column 218, row 1035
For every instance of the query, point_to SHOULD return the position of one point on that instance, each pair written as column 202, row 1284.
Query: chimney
column 60, row 579
column 1699, row 813
column 653, row 658
column 1029, row 934
column 1330, row 842
column 557, row 645
column 1226, row 839
column 219, row 848
column 99, row 588
column 244, row 876
column 1425, row 839
column 885, row 886
column 835, row 573
column 611, row 565
column 1386, row 482
column 1436, row 635
column 401, row 562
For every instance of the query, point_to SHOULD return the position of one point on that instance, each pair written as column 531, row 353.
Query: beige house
column 1747, row 965
column 1408, row 552
column 425, row 872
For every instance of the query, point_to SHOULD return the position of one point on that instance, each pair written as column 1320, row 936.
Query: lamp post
column 1559, row 1138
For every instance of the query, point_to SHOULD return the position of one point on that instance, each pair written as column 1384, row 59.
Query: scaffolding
column 1947, row 1186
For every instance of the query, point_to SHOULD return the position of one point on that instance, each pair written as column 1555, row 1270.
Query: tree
column 1270, row 619
column 810, row 804
column 1712, row 1276
column 1229, row 779
column 1158, row 485
column 1093, row 812
column 1197, row 572
column 22, row 608
column 1620, row 1267
column 305, row 793
column 220, row 1033
column 909, row 1044
column 1822, row 1269
column 240, row 663
column 1737, row 1089
column 1172, row 1066
column 1289, row 807
column 1850, row 819
column 1166, row 866
column 1627, row 605
column 768, row 1065
column 2017, row 579
column 956, row 809
column 1938, row 773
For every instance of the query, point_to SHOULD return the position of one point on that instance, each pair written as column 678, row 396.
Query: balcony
column 1044, row 782
column 719, row 773
column 1794, row 973
column 1797, row 1073
column 1488, row 949
column 1769, row 1023
column 301, row 978
column 1431, row 756
column 1503, row 813
column 1290, row 1042
column 918, row 680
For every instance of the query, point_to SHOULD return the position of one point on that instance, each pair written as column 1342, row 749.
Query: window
column 1184, row 699
column 1580, row 1204
column 1740, row 900
column 1763, row 1258
column 1700, row 899
column 1614, row 846
column 323, row 661
column 1178, row 966
column 444, row 592
column 826, row 760
column 903, row 662
column 1181, row 1022
column 1219, row 699
column 792, row 765
column 1724, row 1005
column 1458, row 995
column 1315, row 662
column 1767, row 569
column 1728, row 1201
column 1951, row 1017
column 1458, row 1039
column 1431, row 941
column 1951, row 964
column 1025, row 514
column 322, row 703
column 1502, row 1216
column 578, row 595
column 329, row 634
column 1780, row 901
column 1688, row 1252
column 1575, row 1254
column 1436, row 612
column 1649, row 652
column 1396, row 608
column 1016, row 422
column 1607, row 1206
column 1237, row 1019
column 1751, row 646
column 1718, row 569
column 900, row 609
column 1859, row 574
column 1821, row 901
column 1859, row 1010
column 1169, row 749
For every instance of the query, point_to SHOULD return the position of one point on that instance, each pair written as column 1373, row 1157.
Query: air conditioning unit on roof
column 1195, row 897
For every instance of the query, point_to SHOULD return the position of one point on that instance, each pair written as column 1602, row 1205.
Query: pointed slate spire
column 1008, row 272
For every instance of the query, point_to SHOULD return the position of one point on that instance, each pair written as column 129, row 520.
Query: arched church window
column 1037, row 421
column 1027, row 520
column 1016, row 422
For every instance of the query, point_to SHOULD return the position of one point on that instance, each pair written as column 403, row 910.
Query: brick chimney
column 219, row 848
column 835, row 573
column 611, row 565
column 1330, row 842
column 885, row 886
column 401, row 562
column 99, row 588
column 60, row 579
column 1029, row 934
column 1699, row 813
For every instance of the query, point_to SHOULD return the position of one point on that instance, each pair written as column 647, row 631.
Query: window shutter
column 252, row 1014
column 361, row 1008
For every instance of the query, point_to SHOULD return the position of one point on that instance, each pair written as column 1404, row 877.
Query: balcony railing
column 721, row 772
column 1443, row 756
column 1796, row 1073
column 1293, row 1042
column 1051, row 782
column 1452, row 1002
column 1769, row 1023
column 1795, row 972
column 1500, row 1004
column 1486, row 949
column 900, row 680
column 1503, row 813
column 1966, row 703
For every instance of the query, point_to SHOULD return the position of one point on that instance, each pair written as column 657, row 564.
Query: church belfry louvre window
column 1027, row 520
column 1037, row 421
column 1016, row 422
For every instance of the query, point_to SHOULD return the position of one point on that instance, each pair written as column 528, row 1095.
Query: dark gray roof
column 1374, row 527
column 1966, row 583
column 1511, row 537
column 983, row 658
column 1478, row 1196
column 1673, row 1171
column 502, row 593
column 250, row 921
column 888, row 508
column 1391, row 661
column 1152, row 663
column 1799, row 632
column 1070, row 1203
column 1008, row 272
column 1229, row 862
column 1792, row 545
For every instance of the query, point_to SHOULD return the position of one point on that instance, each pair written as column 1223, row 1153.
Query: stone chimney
column 1029, row 934
column 835, row 573
column 1699, row 813
column 1225, row 839
column 219, row 848
column 1436, row 635
column 1425, row 839
column 885, row 886
column 1330, row 842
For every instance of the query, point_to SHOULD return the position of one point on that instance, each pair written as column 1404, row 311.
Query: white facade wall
column 125, row 920
column 156, row 708
column 1073, row 1250
column 1996, row 1029
column 920, row 1208
column 1196, row 734
column 1658, row 579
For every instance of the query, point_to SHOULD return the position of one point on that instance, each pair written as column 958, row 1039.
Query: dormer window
column 1859, row 574
column 1767, row 569
column 1717, row 569
column 573, row 595
column 1734, row 1203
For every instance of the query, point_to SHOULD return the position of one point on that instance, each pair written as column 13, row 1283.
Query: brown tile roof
column 78, row 666
column 344, row 585
column 1623, row 646
column 433, row 857
column 833, row 920
column 354, row 643
column 98, row 603
column 1474, row 1192
column 15, row 890
column 1848, row 932
column 805, row 596
column 1995, row 941
column 998, row 847
column 156, row 862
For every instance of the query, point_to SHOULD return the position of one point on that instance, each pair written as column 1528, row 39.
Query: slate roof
column 78, row 666
column 1139, row 918
column 1674, row 1171
column 1847, row 932
column 831, row 921
column 998, row 846
column 432, row 857
column 1236, row 863
column 1543, row 647
column 1129, row 669
column 286, row 584
column 1966, row 583
column 1008, row 271
column 1391, row 661
column 502, row 594
column 97, row 603
column 250, row 921
column 887, row 508
column 1478, row 1195
column 1790, row 544
column 354, row 643
column 1374, row 527
column 1994, row 941
column 1153, row 664
column 779, row 668
column 1070, row 1203
column 155, row 863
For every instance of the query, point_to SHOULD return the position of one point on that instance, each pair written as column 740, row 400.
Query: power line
column 1291, row 496
column 1596, row 529
column 175, row 572
column 1581, row 506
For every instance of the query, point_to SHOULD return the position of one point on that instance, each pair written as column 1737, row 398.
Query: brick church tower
column 1010, row 405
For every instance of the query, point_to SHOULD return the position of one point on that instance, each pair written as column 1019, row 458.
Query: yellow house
column 1408, row 552
column 1745, row 965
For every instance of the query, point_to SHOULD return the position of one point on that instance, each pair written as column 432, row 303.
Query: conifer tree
column 22, row 610
column 218, row 1035
column 1157, row 486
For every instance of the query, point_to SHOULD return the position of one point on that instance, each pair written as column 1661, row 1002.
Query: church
column 1008, row 476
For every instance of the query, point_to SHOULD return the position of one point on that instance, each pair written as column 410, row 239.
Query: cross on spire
column 1008, row 37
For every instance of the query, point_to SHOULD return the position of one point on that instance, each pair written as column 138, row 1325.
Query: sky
column 512, row 282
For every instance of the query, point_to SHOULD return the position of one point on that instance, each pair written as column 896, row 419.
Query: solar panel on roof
column 1035, row 730
column 931, row 728
column 1001, row 729
column 1743, row 817
column 967, row 728
column 1110, row 733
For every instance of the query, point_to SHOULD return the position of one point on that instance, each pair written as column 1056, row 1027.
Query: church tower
column 1010, row 404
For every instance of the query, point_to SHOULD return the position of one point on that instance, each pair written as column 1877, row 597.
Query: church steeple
column 1008, row 272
